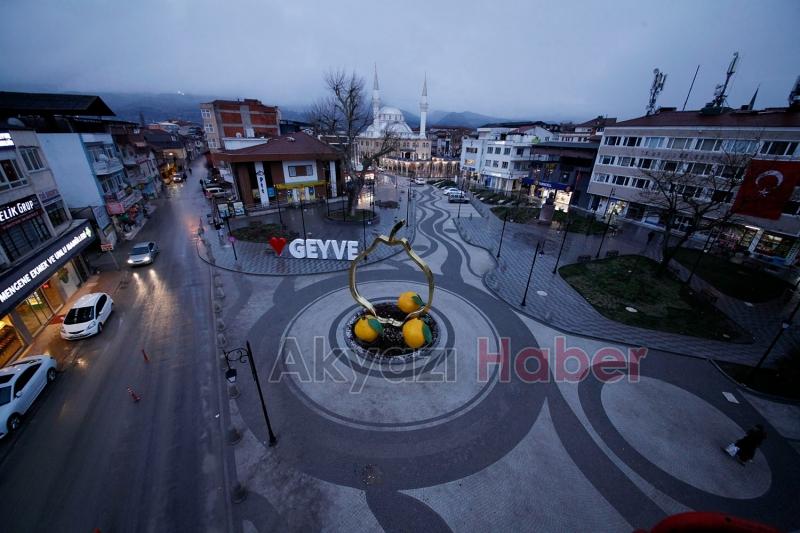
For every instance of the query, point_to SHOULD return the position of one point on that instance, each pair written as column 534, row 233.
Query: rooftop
column 285, row 147
column 779, row 117
column 13, row 103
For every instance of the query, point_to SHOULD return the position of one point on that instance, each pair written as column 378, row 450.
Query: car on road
column 142, row 253
column 450, row 190
column 419, row 181
column 87, row 316
column 21, row 383
column 457, row 197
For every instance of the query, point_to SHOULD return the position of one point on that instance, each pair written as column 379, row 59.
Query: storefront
column 33, row 292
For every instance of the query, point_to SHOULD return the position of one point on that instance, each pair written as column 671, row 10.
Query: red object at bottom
column 711, row 522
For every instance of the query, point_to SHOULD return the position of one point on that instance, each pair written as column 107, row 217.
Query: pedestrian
column 650, row 236
column 190, row 171
column 745, row 448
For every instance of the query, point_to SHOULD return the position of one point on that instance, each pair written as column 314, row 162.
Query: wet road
column 88, row 456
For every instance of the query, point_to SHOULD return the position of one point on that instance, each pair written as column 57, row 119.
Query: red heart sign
column 277, row 244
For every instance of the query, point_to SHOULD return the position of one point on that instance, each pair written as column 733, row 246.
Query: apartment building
column 589, row 131
column 698, row 143
column 247, row 118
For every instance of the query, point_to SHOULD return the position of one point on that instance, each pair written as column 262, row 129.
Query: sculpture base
column 390, row 344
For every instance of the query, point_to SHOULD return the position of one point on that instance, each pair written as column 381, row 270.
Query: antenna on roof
column 690, row 88
column 658, row 85
column 794, row 96
column 720, row 91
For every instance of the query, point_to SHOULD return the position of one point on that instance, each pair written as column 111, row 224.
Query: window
column 206, row 113
column 212, row 143
column 626, row 161
column 101, row 302
column 654, row 142
column 640, row 183
column 520, row 151
column 633, row 141
column 56, row 213
column 208, row 127
column 601, row 178
column 30, row 156
column 700, row 169
column 506, row 151
column 300, row 170
column 25, row 377
column 679, row 143
column 722, row 196
column 494, row 163
column 739, row 146
column 10, row 175
column 24, row 237
column 791, row 208
column 607, row 160
column 645, row 163
column 779, row 148
column 505, row 164
column 669, row 166
column 708, row 145
column 620, row 180
column 611, row 141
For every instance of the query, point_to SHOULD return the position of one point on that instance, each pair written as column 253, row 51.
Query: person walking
column 650, row 236
column 745, row 448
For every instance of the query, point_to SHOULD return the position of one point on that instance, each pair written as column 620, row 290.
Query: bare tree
column 343, row 114
column 692, row 197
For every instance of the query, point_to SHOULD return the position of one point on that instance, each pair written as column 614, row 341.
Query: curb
column 764, row 395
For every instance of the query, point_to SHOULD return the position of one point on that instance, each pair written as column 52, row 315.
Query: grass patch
column 662, row 303
column 445, row 183
column 520, row 215
column 262, row 233
column 736, row 281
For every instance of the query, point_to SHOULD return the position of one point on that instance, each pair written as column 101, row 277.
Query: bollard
column 135, row 397
column 233, row 391
column 217, row 308
column 220, row 325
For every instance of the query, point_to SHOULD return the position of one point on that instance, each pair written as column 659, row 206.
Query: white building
column 589, row 131
column 695, row 142
column 498, row 157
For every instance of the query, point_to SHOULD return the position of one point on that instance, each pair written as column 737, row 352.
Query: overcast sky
column 553, row 59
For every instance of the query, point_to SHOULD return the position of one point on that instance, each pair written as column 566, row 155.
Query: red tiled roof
column 599, row 122
column 294, row 147
column 768, row 118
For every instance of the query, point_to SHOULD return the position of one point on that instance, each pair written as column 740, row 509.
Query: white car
column 142, row 253
column 87, row 316
column 419, row 181
column 20, row 384
column 449, row 190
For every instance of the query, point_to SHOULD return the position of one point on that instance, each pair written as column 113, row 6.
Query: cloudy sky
column 533, row 59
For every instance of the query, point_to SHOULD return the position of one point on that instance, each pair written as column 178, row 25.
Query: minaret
column 376, row 97
column 423, row 107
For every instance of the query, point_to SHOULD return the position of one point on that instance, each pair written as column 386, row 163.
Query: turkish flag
column 766, row 188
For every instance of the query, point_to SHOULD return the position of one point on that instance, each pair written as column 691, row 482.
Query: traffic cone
column 135, row 397
column 144, row 354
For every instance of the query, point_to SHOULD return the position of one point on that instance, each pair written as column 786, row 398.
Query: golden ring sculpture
column 391, row 240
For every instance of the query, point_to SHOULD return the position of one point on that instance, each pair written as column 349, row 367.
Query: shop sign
column 224, row 211
column 5, row 140
column 114, row 208
column 286, row 186
column 238, row 209
column 16, row 284
column 18, row 211
column 327, row 249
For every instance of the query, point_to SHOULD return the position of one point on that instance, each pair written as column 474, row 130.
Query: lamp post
column 364, row 224
column 278, row 203
column 605, row 228
column 561, row 248
column 700, row 256
column 231, row 237
column 530, row 274
column 246, row 355
column 303, row 218
column 784, row 326
column 408, row 201
column 502, row 232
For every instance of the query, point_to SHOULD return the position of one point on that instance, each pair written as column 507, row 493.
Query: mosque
column 413, row 154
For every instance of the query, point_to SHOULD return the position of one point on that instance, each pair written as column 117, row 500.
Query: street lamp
column 784, row 326
column 502, row 232
column 243, row 355
column 607, row 223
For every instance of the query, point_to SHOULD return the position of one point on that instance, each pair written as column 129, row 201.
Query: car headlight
column 147, row 257
column 130, row 261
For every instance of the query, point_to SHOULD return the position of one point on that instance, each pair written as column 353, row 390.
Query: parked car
column 88, row 316
column 457, row 197
column 419, row 181
column 21, row 383
column 177, row 178
column 143, row 253
column 450, row 190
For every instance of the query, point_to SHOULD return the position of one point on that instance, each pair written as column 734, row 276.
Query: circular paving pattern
column 421, row 391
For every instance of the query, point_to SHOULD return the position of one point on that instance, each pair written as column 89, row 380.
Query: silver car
column 142, row 253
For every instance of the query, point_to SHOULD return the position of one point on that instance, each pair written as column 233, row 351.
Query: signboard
column 238, row 209
column 271, row 192
column 101, row 217
column 106, row 246
column 284, row 186
column 18, row 211
column 5, row 140
column 323, row 249
column 224, row 210
column 16, row 284
column 766, row 188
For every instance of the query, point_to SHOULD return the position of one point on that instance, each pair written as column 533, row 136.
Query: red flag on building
column 766, row 188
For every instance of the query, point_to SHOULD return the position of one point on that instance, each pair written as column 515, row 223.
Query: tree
column 691, row 197
column 343, row 114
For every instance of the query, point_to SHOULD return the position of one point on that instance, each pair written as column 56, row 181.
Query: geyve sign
column 323, row 249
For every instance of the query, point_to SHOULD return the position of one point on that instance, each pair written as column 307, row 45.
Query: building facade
column 40, row 244
column 589, row 131
column 696, row 142
column 560, row 173
column 499, row 158
column 238, row 118
column 285, row 169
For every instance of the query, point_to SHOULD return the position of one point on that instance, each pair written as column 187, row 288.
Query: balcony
column 107, row 166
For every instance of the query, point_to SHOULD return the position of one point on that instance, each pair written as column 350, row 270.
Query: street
column 88, row 456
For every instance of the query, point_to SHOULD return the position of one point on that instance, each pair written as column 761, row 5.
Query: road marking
column 730, row 397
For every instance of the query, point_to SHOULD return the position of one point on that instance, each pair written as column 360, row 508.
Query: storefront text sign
column 319, row 249
column 18, row 211
column 16, row 285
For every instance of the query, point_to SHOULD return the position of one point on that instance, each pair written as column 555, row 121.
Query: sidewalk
column 553, row 301
column 259, row 258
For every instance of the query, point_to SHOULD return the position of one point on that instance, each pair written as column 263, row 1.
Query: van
column 214, row 190
column 457, row 197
